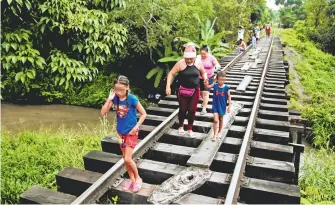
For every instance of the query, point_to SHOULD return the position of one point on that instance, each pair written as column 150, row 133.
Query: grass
column 29, row 158
column 316, row 72
column 317, row 181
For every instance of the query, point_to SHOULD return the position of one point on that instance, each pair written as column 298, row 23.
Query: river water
column 35, row 117
column 16, row 118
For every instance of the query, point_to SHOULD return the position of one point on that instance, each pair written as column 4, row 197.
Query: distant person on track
column 189, row 70
column 240, row 33
column 254, row 41
column 210, row 64
column 241, row 46
column 221, row 95
column 126, row 106
column 268, row 31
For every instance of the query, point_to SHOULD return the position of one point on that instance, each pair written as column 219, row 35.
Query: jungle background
column 67, row 52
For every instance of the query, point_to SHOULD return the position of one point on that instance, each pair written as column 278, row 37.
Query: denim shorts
column 210, row 82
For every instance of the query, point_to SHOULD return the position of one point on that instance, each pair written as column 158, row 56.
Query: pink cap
column 190, row 51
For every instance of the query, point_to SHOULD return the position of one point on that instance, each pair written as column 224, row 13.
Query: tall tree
column 56, row 42
column 317, row 11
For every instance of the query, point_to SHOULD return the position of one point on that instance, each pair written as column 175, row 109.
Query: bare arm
column 106, row 107
column 143, row 114
column 210, row 86
column 170, row 77
column 229, row 100
column 217, row 64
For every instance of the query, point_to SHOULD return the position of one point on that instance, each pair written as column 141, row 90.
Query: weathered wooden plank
column 272, row 136
column 205, row 152
column 160, row 109
column 153, row 120
column 39, row 195
column 237, row 75
column 276, row 80
column 273, row 124
column 273, row 115
column 98, row 160
column 269, row 169
column 278, row 75
column 244, row 83
column 203, row 155
column 246, row 66
column 274, row 90
column 147, row 128
column 276, row 192
column 251, row 88
column 156, row 117
column 197, row 199
column 271, row 151
column 230, row 144
column 245, row 93
column 155, row 172
column 279, row 71
column 180, row 155
column 275, row 95
column 274, row 101
column 272, row 85
column 81, row 179
column 210, row 100
column 225, row 162
column 175, row 104
column 274, row 107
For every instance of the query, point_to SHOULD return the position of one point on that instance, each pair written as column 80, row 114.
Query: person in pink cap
column 189, row 70
column 210, row 64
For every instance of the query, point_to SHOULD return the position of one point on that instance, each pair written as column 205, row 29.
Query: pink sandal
column 128, row 184
column 137, row 186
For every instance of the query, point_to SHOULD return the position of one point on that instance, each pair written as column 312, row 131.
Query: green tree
column 163, row 64
column 317, row 12
column 61, row 42
column 210, row 38
column 293, row 10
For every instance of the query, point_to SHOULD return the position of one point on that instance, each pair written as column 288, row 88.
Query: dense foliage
column 316, row 73
column 316, row 18
column 53, row 47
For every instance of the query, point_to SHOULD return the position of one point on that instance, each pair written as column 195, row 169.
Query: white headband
column 190, row 54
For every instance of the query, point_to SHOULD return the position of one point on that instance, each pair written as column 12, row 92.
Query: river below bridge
column 36, row 117
column 15, row 118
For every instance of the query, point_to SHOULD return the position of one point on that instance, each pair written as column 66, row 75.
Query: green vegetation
column 29, row 158
column 48, row 51
column 94, row 94
column 316, row 73
column 316, row 20
column 317, row 180
column 310, row 39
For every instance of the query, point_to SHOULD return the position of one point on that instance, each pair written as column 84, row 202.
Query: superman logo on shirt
column 122, row 111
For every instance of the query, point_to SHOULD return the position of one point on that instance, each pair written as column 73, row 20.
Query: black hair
column 204, row 48
column 220, row 74
column 124, row 81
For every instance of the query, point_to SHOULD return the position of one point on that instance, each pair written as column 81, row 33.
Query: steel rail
column 235, row 59
column 103, row 184
column 96, row 190
column 236, row 180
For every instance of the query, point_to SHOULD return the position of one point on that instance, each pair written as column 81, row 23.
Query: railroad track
column 257, row 162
